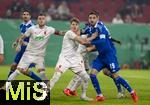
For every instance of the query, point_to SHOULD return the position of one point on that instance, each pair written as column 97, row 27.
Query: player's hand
column 14, row 45
column 18, row 48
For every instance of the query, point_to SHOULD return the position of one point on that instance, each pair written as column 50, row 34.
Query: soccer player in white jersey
column 1, row 50
column 69, row 58
column 35, row 51
column 77, row 80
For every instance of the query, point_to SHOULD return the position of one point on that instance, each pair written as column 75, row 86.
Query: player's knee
column 22, row 71
column 57, row 75
column 40, row 70
column 115, row 75
column 13, row 66
column 94, row 72
column 86, row 77
column 106, row 72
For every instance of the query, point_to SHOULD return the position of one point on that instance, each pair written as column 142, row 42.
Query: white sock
column 43, row 76
column 54, row 79
column 85, row 78
column 12, row 77
column 74, row 83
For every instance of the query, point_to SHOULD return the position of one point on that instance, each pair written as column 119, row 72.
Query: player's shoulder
column 49, row 27
column 69, row 32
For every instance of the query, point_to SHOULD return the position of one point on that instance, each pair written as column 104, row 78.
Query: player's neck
column 41, row 26
column 26, row 21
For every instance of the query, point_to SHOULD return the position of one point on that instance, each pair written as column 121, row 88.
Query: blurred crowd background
column 133, row 15
column 116, row 11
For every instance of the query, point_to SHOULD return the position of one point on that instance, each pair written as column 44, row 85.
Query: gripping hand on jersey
column 14, row 45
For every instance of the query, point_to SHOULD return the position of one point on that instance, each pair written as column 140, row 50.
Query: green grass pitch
column 139, row 80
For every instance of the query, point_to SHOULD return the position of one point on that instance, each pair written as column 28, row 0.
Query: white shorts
column 76, row 64
column 27, row 59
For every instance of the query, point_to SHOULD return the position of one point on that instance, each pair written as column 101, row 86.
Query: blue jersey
column 102, row 42
column 24, row 27
column 107, row 52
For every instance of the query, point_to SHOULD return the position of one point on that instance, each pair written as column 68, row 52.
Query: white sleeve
column 71, row 35
column 1, row 46
column 52, row 30
column 28, row 32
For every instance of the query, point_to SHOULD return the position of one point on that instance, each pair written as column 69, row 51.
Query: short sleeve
column 1, row 45
column 28, row 32
column 51, row 30
column 71, row 35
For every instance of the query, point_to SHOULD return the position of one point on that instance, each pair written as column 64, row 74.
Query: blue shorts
column 109, row 61
column 19, row 56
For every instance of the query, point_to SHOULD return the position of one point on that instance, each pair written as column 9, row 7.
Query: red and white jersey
column 69, row 45
column 38, row 39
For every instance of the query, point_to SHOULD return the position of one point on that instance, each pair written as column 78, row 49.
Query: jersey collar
column 96, row 24
column 29, row 22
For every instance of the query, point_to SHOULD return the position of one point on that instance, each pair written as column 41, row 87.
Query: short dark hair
column 26, row 10
column 94, row 12
column 75, row 20
column 42, row 14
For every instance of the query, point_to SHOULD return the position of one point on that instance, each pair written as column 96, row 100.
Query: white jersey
column 38, row 39
column 1, row 45
column 81, row 47
column 69, row 46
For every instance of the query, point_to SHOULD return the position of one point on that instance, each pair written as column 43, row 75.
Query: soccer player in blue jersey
column 76, row 81
column 100, row 41
column 25, row 25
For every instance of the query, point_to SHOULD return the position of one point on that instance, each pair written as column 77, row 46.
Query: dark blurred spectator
column 128, row 19
column 126, row 10
column 136, row 11
column 8, row 14
column 26, row 5
column 48, row 17
column 52, row 11
column 117, row 19
column 64, row 11
column 16, row 6
column 40, row 7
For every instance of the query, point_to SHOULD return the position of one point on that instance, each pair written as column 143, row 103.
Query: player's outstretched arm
column 60, row 33
column 82, row 41
column 89, row 49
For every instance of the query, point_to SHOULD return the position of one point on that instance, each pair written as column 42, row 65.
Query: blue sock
column 95, row 83
column 117, row 85
column 124, row 83
column 34, row 76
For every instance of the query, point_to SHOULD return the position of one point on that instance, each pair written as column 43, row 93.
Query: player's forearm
column 21, row 38
column 60, row 33
column 81, row 40
column 93, row 36
column 91, row 48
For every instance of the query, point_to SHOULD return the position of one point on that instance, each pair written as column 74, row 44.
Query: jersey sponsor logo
column 39, row 38
column 102, row 36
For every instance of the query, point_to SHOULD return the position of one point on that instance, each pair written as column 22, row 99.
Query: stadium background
column 134, row 33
